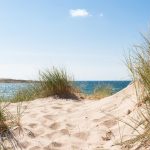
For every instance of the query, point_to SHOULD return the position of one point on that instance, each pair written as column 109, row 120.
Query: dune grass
column 139, row 65
column 26, row 94
column 53, row 82
column 7, row 124
column 56, row 82
column 101, row 92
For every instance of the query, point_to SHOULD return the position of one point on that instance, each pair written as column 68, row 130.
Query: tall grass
column 26, row 94
column 139, row 65
column 102, row 91
column 7, row 124
column 53, row 82
column 56, row 82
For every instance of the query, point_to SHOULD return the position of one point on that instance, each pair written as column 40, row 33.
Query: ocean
column 7, row 89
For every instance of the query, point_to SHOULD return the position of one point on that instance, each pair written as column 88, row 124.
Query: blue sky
column 87, row 37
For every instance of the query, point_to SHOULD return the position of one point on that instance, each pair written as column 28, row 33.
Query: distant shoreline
column 3, row 80
column 17, row 81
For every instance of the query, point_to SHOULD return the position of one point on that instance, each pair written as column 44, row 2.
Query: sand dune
column 59, row 124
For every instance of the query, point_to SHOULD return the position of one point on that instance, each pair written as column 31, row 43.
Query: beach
column 74, row 75
column 60, row 124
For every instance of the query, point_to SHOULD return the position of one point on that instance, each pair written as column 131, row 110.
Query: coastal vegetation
column 26, row 94
column 8, row 123
column 138, row 63
column 100, row 92
column 54, row 82
column 58, row 83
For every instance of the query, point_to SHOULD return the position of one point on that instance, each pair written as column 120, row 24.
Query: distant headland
column 3, row 80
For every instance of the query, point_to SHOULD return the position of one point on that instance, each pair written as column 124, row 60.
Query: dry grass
column 56, row 82
column 101, row 92
column 26, row 94
column 139, row 65
column 8, row 122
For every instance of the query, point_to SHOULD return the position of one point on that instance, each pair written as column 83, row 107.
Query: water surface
column 7, row 89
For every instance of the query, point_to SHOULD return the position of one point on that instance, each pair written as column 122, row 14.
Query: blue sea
column 7, row 89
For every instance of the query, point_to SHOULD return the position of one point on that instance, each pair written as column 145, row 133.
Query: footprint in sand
column 50, row 117
column 53, row 145
column 50, row 135
column 69, row 125
column 55, row 125
column 81, row 135
column 35, row 148
column 56, row 144
column 33, row 115
column 69, row 110
column 75, row 147
column 97, row 120
column 24, row 144
column 100, row 119
column 33, row 125
column 109, row 123
column 65, row 131
column 39, row 131
column 56, row 107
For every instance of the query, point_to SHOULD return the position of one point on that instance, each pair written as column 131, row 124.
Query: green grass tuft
column 56, row 82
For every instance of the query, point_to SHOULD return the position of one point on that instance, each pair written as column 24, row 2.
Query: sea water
column 7, row 89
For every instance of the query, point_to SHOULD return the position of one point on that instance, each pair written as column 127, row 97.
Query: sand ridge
column 60, row 124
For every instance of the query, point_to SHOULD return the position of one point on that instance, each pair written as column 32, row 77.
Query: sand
column 60, row 124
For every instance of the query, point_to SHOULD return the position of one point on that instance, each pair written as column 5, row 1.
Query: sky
column 89, row 38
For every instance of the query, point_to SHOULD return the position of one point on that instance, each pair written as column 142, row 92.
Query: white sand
column 57, row 124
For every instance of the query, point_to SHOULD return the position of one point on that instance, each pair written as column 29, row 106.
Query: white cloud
column 79, row 13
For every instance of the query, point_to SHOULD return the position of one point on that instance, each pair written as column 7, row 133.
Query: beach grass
column 26, row 94
column 7, row 125
column 56, row 82
column 139, row 65
column 53, row 82
column 101, row 92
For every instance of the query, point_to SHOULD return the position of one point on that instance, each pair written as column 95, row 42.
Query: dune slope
column 52, row 124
